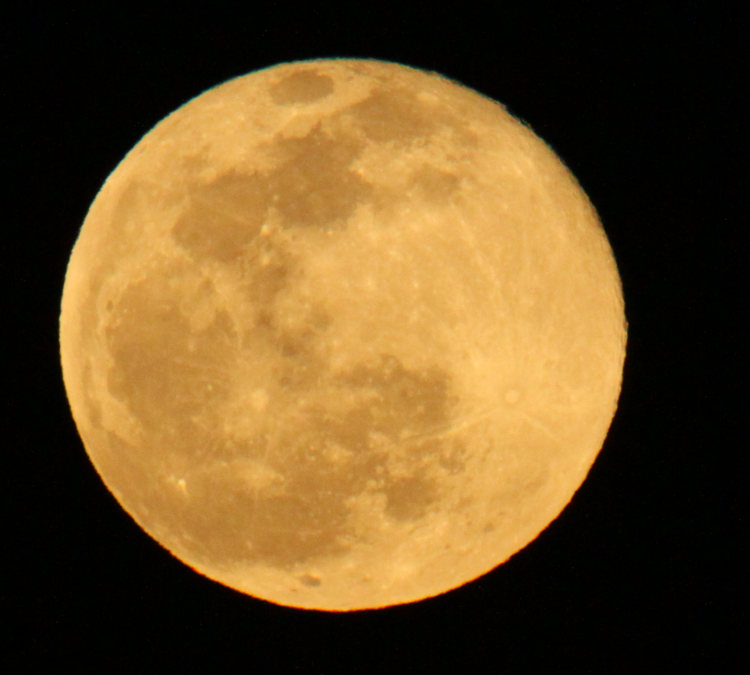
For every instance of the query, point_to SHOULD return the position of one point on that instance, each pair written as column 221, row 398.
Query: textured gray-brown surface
column 342, row 334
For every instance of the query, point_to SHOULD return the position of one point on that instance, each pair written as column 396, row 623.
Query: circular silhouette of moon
column 342, row 334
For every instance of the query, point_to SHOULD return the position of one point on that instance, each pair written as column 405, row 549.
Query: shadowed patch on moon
column 301, row 87
column 370, row 447
column 437, row 186
column 311, row 187
column 393, row 115
column 377, row 428
column 222, row 217
column 314, row 185
column 310, row 580
column 354, row 449
column 128, row 211
column 94, row 407
column 165, row 368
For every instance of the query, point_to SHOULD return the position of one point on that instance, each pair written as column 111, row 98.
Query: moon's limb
column 342, row 334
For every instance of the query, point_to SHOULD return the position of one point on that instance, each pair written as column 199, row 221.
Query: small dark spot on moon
column 301, row 87
column 310, row 580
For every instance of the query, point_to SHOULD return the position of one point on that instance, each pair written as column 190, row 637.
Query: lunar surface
column 342, row 334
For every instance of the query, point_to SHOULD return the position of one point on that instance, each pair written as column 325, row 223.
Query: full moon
column 342, row 334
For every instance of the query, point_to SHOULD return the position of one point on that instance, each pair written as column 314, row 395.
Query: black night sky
column 641, row 571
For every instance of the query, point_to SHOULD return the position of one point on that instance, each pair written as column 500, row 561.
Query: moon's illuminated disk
column 342, row 334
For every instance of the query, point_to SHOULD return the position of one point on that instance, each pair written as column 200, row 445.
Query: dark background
column 641, row 571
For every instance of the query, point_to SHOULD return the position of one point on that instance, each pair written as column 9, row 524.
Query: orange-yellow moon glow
column 342, row 334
